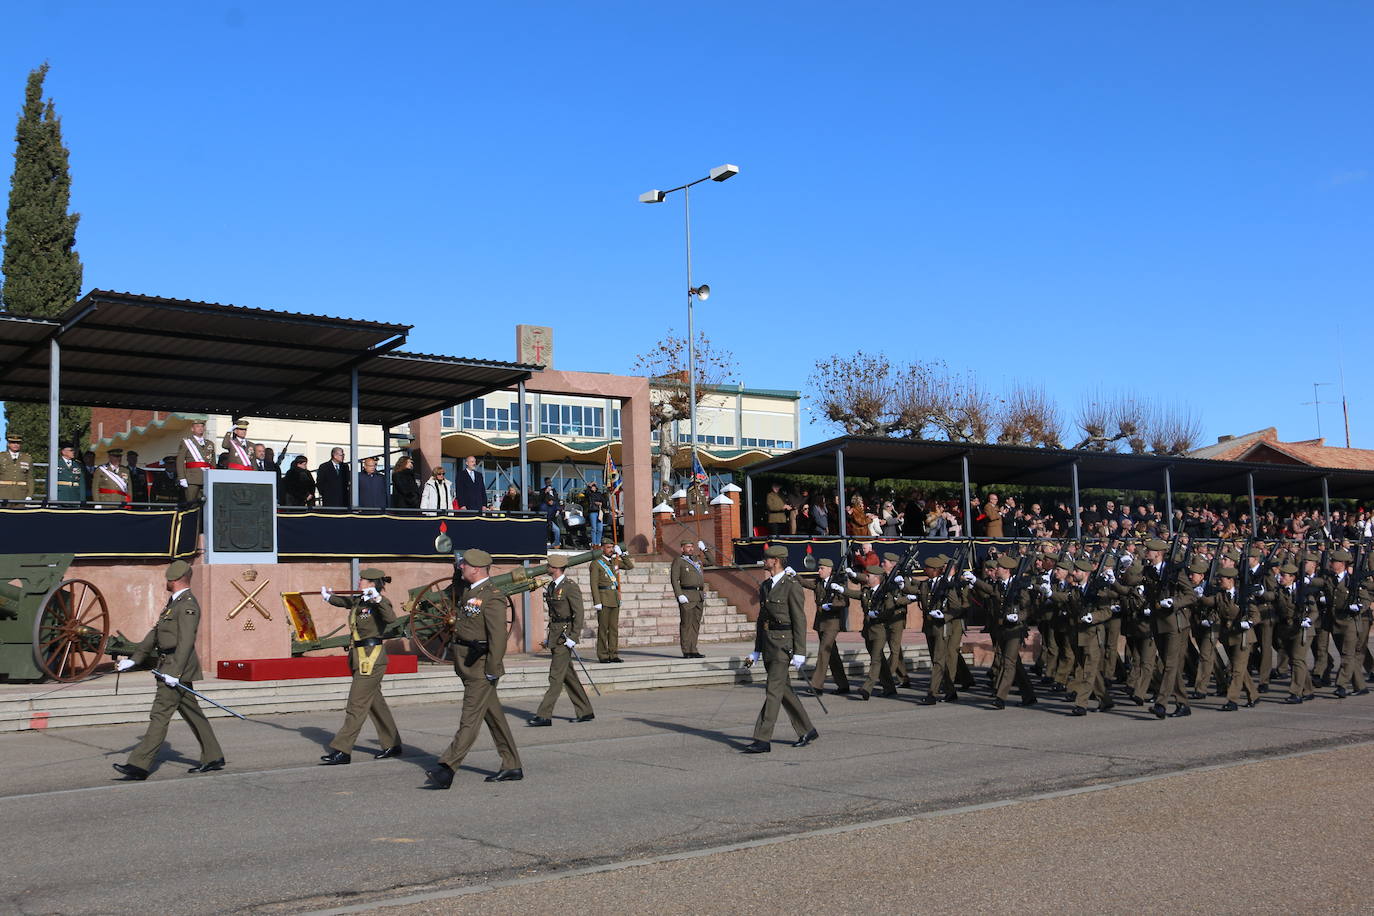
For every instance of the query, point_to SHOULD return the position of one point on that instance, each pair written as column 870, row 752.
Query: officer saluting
column 563, row 605
column 780, row 641
column 479, row 648
column 369, row 614
column 172, row 644
column 606, row 599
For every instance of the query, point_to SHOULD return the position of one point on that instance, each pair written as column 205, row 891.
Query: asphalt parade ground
column 652, row 807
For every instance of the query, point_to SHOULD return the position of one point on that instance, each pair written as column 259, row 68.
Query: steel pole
column 1169, row 499
column 839, row 501
column 524, row 450
column 1077, row 515
column 54, row 409
column 691, row 328
column 968, row 496
column 1250, row 486
column 1326, row 498
column 749, row 504
column 353, row 458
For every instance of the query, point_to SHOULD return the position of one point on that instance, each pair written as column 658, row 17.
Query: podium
column 240, row 517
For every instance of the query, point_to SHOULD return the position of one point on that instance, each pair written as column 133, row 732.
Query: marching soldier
column 606, row 599
column 897, row 627
column 832, row 610
column 238, row 448
column 563, row 607
column 1238, row 620
column 688, row 585
column 16, row 469
column 111, row 481
column 1168, row 599
column 1088, row 604
column 1008, row 604
column 944, row 598
column 879, row 630
column 1259, row 584
column 1205, row 620
column 369, row 615
column 479, row 641
column 171, row 644
column 195, row 454
column 1314, row 593
column 1294, row 629
column 71, row 476
column 1339, row 594
column 780, row 642
column 1141, row 655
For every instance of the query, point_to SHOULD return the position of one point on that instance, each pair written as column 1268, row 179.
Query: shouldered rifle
column 900, row 571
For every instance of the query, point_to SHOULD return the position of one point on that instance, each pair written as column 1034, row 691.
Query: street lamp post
column 703, row 292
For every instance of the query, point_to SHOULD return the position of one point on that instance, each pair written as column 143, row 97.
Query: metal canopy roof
column 145, row 352
column 998, row 465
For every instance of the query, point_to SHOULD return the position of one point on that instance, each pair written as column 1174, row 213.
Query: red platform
column 286, row 669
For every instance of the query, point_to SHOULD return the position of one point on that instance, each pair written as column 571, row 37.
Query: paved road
column 657, row 772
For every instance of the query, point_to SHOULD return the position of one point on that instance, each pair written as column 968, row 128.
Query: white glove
column 492, row 678
column 755, row 657
column 899, row 580
column 1086, row 618
column 1013, row 618
column 1147, row 612
column 798, row 661
column 825, row 607
column 701, row 545
column 907, row 599
column 28, row 499
column 789, row 570
column 182, row 482
column 571, row 644
column 1321, row 599
column 596, row 607
column 837, row 587
column 124, row 664
column 1045, row 589
column 1140, row 590
column 1108, row 576
column 968, row 576
column 872, row 613
column 681, row 599
column 938, row 614
column 1354, row 607
column 1166, row 603
column 1306, row 623
column 1045, row 578
column 1124, row 561
column 326, row 592
column 618, row 551
column 170, row 681
column 1199, row 589
column 371, row 594
column 1205, row 622
column 1245, row 624
column 1116, row 609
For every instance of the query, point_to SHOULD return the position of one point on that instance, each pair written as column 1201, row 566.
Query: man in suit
column 471, row 486
column 333, row 480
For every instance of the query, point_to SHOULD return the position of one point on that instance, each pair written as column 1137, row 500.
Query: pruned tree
column 666, row 365
column 1029, row 417
column 858, row 393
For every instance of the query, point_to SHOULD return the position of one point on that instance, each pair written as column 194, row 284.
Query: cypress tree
column 42, row 270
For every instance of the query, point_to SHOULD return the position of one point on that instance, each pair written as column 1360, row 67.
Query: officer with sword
column 564, row 609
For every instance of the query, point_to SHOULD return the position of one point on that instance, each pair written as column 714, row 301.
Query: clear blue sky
column 1173, row 197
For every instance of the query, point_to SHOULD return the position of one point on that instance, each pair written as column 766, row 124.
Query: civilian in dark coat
column 297, row 486
column 371, row 486
column 333, row 479
column 405, row 486
column 471, row 486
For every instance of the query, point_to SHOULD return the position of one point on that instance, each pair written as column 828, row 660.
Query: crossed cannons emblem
column 250, row 599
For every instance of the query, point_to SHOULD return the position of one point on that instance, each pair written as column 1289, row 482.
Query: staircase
column 649, row 609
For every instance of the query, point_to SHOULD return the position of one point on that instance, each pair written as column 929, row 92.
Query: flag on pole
column 698, row 472
column 612, row 475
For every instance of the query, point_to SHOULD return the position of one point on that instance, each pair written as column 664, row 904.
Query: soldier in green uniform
column 1339, row 593
column 1008, row 605
column 238, row 448
column 1088, row 604
column 71, row 476
column 1294, row 630
column 897, row 627
column 1205, row 626
column 563, row 607
column 369, row 615
column 832, row 609
column 171, row 646
column 1313, row 579
column 1237, row 620
column 1168, row 602
column 944, row 598
column 780, row 642
column 880, row 630
column 689, row 584
column 777, row 509
column 16, row 470
column 479, row 649
column 606, row 599
column 111, row 481
column 1259, row 584
column 195, row 455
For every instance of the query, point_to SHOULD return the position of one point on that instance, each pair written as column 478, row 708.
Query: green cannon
column 51, row 626
column 431, row 610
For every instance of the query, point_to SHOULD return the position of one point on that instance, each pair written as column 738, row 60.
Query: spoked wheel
column 434, row 616
column 71, row 630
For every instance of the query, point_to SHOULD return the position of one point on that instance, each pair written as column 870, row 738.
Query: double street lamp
column 702, row 292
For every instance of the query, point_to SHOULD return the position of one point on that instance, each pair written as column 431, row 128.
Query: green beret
column 558, row 561
column 777, row 551
column 892, row 557
column 374, row 574
column 1007, row 562
column 1156, row 544
column 1199, row 566
column 1229, row 572
column 178, row 570
column 1084, row 565
column 476, row 557
column 1288, row 569
column 1342, row 556
column 825, row 561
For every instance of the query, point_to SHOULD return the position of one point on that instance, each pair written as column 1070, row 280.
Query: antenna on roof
column 1317, row 405
column 1345, row 409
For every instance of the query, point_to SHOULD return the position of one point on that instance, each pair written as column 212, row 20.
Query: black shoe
column 841, row 691
column 807, row 738
column 1341, row 693
column 889, row 692
column 538, row 722
column 441, row 777
column 131, row 772
column 1292, row 700
column 617, row 661
column 1139, row 701
column 1196, row 695
column 1359, row 693
column 1158, row 710
column 1071, row 696
column 1029, row 701
column 950, row 697
column 1078, row 711
column 697, row 655
column 1180, row 711
column 587, row 718
column 1321, row 682
column 514, row 775
column 757, row 747
column 999, row 703
column 908, row 684
column 336, row 759
column 216, row 764
column 1229, row 706
column 1106, row 705
column 927, row 701
column 1309, row 698
column 863, row 694
column 387, row 753
column 1251, row 704
column 1263, row 688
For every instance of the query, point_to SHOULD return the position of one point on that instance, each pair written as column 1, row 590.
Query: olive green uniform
column 171, row 646
column 1093, row 601
column 832, row 609
column 112, row 486
column 606, row 596
column 1346, row 609
column 194, row 457
column 882, row 630
column 690, row 583
column 479, row 650
column 1289, row 613
column 945, row 637
column 71, row 480
column 367, row 658
column 563, row 605
column 1004, row 598
column 779, row 634
column 1237, row 639
column 16, row 475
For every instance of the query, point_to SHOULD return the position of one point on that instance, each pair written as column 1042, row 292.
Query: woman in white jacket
column 438, row 493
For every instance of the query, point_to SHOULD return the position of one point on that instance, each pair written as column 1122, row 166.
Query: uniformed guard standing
column 689, row 585
column 1008, row 603
column 1238, row 621
column 171, row 645
column 563, row 607
column 832, row 610
column 780, row 642
column 479, row 642
column 71, row 476
column 606, row 599
column 195, row 455
column 16, row 469
column 369, row 615
column 111, row 481
column 238, row 448
column 1294, row 630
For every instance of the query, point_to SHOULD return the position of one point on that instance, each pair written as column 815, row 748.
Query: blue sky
column 1169, row 197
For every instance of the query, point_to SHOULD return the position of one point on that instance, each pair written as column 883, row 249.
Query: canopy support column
column 1326, row 498
column 968, row 496
column 1169, row 499
column 54, row 400
column 354, row 463
column 386, row 460
column 524, row 450
column 1254, row 520
column 1077, row 512
column 749, row 504
column 839, row 500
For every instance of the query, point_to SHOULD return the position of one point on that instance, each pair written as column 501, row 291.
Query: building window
column 572, row 420
column 449, row 420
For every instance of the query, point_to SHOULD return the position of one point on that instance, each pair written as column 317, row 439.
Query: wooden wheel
column 70, row 630
column 433, row 617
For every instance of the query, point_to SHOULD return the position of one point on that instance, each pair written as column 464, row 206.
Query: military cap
column 115, row 452
column 241, row 423
column 1228, row 572
column 777, row 551
column 474, row 556
column 892, row 557
column 13, row 437
column 178, row 570
column 1311, row 558
column 374, row 574
column 607, row 542
column 557, row 561
column 825, row 561
column 1085, row 565
column 1156, row 544
column 1257, row 552
column 1064, row 564
column 935, row 562
column 1288, row 569
column 1342, row 556
column 1007, row 562
column 63, row 448
column 1199, row 566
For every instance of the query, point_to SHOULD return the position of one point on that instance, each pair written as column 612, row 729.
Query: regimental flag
column 698, row 472
column 612, row 475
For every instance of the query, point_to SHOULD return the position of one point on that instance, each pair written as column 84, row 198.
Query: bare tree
column 1173, row 430
column 857, row 392
column 1029, row 417
column 670, row 394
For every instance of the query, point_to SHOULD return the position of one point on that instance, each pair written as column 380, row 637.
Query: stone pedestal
column 235, row 625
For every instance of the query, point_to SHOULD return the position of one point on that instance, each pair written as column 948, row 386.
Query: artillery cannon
column 431, row 610
column 50, row 626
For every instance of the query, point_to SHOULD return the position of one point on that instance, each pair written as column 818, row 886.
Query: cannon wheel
column 70, row 630
column 432, row 620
